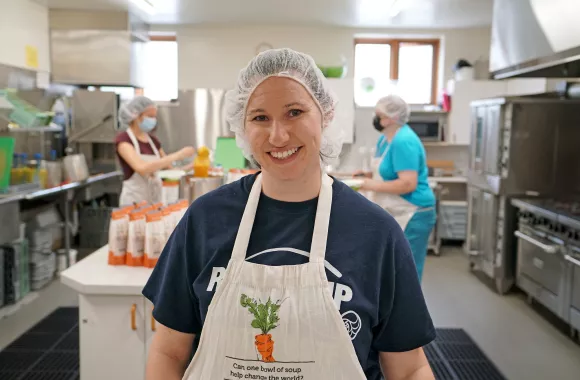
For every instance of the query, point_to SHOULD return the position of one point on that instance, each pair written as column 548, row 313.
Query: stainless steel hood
column 97, row 57
column 535, row 38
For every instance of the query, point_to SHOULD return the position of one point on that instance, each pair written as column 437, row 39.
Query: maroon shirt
column 143, row 146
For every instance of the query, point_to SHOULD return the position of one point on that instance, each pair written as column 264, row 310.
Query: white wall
column 85, row 20
column 22, row 23
column 213, row 56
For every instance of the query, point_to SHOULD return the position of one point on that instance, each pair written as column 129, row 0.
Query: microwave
column 428, row 128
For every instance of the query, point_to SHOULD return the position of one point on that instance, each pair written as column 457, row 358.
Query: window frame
column 163, row 37
column 395, row 43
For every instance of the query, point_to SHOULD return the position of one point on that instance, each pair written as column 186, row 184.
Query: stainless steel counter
column 37, row 194
column 10, row 204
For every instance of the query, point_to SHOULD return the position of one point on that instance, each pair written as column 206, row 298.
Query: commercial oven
column 519, row 147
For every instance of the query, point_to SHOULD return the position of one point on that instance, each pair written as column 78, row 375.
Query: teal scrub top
column 406, row 152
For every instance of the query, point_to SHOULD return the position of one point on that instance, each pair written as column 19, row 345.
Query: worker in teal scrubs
column 400, row 176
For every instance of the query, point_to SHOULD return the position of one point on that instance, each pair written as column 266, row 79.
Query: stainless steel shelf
column 38, row 194
column 51, row 128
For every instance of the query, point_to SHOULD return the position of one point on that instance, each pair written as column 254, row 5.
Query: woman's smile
column 286, row 156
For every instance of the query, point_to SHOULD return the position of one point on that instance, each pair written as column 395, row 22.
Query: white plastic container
column 61, row 258
column 72, row 256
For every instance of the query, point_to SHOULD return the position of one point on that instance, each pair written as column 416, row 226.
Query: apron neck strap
column 319, row 236
column 136, row 143
column 134, row 140
column 322, row 221
column 247, row 222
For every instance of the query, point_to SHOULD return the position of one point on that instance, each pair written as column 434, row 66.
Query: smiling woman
column 284, row 128
column 317, row 276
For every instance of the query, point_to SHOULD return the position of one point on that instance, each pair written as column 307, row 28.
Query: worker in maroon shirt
column 140, row 153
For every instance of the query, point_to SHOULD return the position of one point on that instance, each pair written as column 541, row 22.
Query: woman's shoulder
column 122, row 137
column 406, row 137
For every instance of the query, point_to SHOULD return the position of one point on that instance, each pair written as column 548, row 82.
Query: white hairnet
column 395, row 108
column 284, row 63
column 131, row 110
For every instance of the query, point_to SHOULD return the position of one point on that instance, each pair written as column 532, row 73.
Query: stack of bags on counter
column 44, row 234
column 138, row 233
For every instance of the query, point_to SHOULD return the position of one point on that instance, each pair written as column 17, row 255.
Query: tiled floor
column 522, row 344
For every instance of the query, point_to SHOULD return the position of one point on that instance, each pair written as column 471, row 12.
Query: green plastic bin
column 6, row 153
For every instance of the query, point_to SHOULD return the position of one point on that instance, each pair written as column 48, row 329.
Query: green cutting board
column 6, row 153
column 228, row 155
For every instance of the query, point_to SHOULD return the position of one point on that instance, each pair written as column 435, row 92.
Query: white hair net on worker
column 290, row 64
column 132, row 109
column 395, row 108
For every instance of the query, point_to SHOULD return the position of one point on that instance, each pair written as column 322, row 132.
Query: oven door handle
column 552, row 249
column 572, row 260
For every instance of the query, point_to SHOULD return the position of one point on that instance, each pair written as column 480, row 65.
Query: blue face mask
column 148, row 124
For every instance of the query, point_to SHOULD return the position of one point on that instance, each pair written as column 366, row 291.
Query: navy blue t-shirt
column 369, row 265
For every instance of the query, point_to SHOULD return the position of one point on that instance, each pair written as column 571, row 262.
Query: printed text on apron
column 276, row 321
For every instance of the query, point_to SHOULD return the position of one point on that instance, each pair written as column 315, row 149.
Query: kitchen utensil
column 191, row 188
column 75, row 167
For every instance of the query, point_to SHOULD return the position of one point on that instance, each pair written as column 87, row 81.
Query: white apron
column 399, row 208
column 277, row 321
column 141, row 188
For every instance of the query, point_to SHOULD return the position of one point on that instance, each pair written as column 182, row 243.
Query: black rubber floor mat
column 50, row 351
column 455, row 356
column 33, row 341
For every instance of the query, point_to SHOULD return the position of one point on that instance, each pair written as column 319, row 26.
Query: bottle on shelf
column 15, row 170
column 26, row 173
column 41, row 172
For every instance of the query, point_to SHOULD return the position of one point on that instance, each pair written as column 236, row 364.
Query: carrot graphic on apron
column 265, row 319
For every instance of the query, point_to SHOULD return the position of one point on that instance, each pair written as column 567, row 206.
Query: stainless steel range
column 520, row 147
column 548, row 254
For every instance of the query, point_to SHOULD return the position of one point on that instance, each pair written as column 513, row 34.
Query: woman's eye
column 294, row 113
column 260, row 118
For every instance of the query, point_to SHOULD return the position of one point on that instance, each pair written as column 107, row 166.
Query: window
column 404, row 67
column 161, row 68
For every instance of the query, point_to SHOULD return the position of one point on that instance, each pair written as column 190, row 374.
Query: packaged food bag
column 118, row 231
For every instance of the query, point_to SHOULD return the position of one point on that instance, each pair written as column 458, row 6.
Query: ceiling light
column 145, row 5
column 395, row 8
column 380, row 9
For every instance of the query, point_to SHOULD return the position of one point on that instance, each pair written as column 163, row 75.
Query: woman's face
column 149, row 112
column 386, row 121
column 284, row 128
